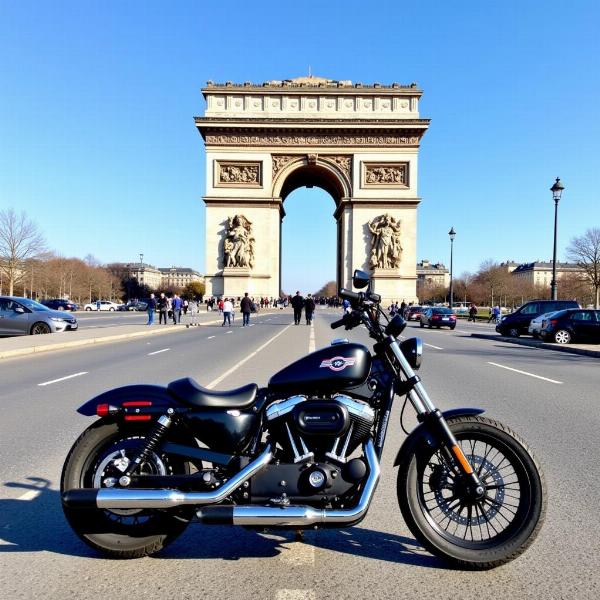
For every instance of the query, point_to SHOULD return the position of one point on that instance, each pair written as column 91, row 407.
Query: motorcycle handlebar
column 349, row 294
column 338, row 323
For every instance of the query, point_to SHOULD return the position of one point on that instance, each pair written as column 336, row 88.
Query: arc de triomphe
column 360, row 143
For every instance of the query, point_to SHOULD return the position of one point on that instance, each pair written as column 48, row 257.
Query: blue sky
column 98, row 144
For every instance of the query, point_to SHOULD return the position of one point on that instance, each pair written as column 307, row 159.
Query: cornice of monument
column 312, row 84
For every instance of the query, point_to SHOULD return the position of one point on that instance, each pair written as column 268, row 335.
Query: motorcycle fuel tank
column 324, row 371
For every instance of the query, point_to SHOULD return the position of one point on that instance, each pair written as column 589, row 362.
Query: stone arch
column 313, row 171
column 359, row 143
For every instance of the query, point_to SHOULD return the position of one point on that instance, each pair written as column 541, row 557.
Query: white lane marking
column 432, row 346
column 63, row 378
column 245, row 360
column 526, row 373
column 251, row 325
column 210, row 337
column 311, row 341
column 297, row 553
column 158, row 351
column 228, row 332
column 29, row 495
column 295, row 595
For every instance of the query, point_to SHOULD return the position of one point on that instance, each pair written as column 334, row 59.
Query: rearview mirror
column 19, row 310
column 360, row 279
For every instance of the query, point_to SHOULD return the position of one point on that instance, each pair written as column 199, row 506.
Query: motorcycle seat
column 191, row 393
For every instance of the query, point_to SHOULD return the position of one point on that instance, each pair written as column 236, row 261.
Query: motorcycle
column 303, row 452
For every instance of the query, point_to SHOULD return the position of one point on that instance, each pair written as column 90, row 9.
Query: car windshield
column 443, row 311
column 33, row 305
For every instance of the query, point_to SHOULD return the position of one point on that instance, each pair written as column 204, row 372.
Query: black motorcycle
column 303, row 452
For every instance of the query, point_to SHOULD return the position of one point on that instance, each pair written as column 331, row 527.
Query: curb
column 97, row 340
column 535, row 344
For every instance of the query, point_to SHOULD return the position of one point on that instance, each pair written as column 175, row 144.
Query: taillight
column 553, row 322
column 102, row 410
column 137, row 403
column 138, row 417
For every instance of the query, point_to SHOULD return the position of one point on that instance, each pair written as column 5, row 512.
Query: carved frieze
column 344, row 163
column 282, row 160
column 317, row 139
column 233, row 174
column 385, row 174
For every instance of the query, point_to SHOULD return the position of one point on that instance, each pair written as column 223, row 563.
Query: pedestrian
column 297, row 304
column 496, row 312
column 346, row 306
column 246, row 308
column 472, row 312
column 151, row 307
column 392, row 309
column 176, row 305
column 220, row 305
column 309, row 309
column 194, row 310
column 186, row 305
column 163, row 308
column 402, row 307
column 98, row 304
column 227, row 310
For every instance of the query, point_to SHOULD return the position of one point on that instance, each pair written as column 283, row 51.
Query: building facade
column 156, row 277
column 540, row 273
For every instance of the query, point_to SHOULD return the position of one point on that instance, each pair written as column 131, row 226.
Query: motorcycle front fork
column 428, row 413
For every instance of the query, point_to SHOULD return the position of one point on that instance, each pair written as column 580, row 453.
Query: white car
column 104, row 305
column 535, row 327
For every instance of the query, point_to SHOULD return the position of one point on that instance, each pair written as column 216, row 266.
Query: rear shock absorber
column 151, row 442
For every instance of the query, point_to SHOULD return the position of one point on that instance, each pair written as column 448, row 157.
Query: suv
column 517, row 323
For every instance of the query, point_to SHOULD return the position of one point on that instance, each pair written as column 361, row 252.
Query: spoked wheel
column 40, row 329
column 476, row 532
column 93, row 463
column 562, row 336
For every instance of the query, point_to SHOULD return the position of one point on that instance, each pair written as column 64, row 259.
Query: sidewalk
column 34, row 344
column 583, row 349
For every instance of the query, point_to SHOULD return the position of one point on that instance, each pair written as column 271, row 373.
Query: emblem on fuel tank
column 338, row 363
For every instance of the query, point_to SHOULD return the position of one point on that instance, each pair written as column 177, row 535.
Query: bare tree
column 20, row 240
column 585, row 251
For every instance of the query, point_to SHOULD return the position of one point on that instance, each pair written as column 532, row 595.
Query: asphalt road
column 550, row 398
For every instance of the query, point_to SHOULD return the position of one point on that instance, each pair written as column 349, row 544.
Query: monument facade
column 358, row 142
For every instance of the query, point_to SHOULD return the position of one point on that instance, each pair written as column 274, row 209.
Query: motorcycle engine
column 315, row 439
column 319, row 428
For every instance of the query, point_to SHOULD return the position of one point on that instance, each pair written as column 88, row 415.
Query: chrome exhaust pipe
column 297, row 516
column 139, row 498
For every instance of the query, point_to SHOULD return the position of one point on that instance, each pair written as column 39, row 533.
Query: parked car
column 574, row 325
column 438, row 317
column 517, row 323
column 413, row 313
column 134, row 305
column 536, row 324
column 60, row 304
column 104, row 305
column 22, row 316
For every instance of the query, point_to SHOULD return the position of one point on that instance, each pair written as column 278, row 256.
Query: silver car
column 22, row 316
column 535, row 327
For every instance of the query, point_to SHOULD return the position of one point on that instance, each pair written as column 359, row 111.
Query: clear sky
column 98, row 144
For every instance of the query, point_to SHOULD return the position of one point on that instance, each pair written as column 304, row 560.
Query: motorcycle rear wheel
column 474, row 534
column 119, row 533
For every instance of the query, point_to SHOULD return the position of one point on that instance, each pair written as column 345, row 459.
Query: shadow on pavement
column 38, row 524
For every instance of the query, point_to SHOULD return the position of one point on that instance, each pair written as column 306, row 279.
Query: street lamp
column 452, row 235
column 556, row 190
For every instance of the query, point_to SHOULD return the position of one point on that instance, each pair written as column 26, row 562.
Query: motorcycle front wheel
column 119, row 533
column 474, row 533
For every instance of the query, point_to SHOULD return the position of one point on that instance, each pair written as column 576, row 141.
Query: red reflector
column 102, row 410
column 138, row 417
column 553, row 322
column 138, row 403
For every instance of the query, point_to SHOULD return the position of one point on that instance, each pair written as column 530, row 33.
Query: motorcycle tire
column 119, row 533
column 474, row 534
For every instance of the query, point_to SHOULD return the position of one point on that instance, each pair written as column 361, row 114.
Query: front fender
column 158, row 396
column 422, row 432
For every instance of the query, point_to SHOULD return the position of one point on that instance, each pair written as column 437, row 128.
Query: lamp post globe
column 452, row 235
column 556, row 190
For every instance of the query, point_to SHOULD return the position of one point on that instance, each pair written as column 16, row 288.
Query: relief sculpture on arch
column 238, row 245
column 386, row 250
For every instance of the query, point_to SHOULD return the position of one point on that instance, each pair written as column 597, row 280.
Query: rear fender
column 132, row 402
column 422, row 433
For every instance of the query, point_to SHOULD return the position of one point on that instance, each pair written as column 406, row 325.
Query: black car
column 60, row 304
column 573, row 325
column 517, row 322
column 438, row 317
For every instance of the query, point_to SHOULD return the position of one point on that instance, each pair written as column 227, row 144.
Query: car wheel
column 421, row 324
column 513, row 332
column 111, row 309
column 452, row 328
column 40, row 328
column 61, row 308
column 88, row 309
column 535, row 335
column 562, row 336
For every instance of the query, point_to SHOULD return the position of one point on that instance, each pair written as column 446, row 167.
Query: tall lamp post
column 556, row 190
column 452, row 235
